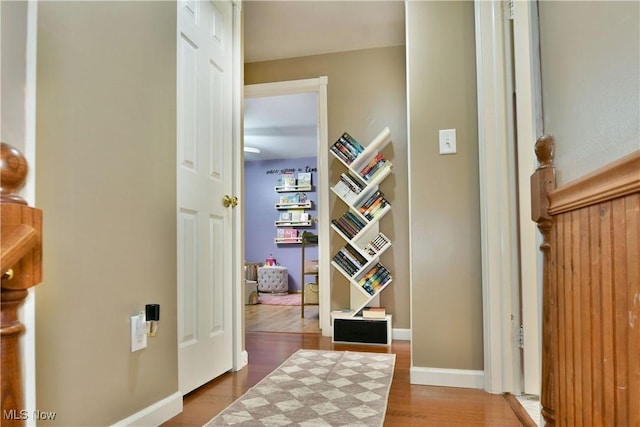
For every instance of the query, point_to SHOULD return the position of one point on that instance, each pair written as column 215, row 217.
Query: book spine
column 352, row 224
column 351, row 182
column 345, row 253
column 359, row 148
column 340, row 227
column 354, row 253
column 344, row 262
column 373, row 208
column 373, row 173
column 335, row 150
column 354, row 219
column 363, row 207
column 345, row 225
column 372, row 163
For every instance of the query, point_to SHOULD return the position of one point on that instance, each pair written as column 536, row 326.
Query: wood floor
column 409, row 405
column 281, row 318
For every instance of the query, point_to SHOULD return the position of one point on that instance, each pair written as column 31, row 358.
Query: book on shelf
column 347, row 148
column 286, row 180
column 285, row 216
column 372, row 164
column 376, row 244
column 347, row 186
column 345, row 264
column 289, row 199
column 348, row 224
column 304, row 179
column 377, row 169
column 375, row 278
column 373, row 205
column 351, row 255
column 353, row 142
column 287, row 234
column 374, row 312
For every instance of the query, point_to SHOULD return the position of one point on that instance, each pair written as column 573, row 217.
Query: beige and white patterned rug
column 317, row 388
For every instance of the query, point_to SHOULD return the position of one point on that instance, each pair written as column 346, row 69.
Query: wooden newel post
column 21, row 268
column 543, row 181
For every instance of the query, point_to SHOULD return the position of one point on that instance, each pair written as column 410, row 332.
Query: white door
column 204, row 177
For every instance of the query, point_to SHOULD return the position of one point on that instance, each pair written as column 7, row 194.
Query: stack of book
column 377, row 244
column 347, row 148
column 375, row 166
column 349, row 260
column 373, row 205
column 375, row 279
column 349, row 224
column 374, row 313
column 348, row 188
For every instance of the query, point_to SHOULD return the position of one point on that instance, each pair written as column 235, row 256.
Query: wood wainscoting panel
column 591, row 292
column 594, row 264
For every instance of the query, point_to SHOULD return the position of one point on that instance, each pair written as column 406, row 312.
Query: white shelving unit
column 359, row 228
column 296, row 204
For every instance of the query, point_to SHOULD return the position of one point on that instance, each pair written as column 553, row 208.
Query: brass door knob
column 229, row 201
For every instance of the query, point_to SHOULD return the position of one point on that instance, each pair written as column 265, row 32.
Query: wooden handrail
column 17, row 241
column 21, row 268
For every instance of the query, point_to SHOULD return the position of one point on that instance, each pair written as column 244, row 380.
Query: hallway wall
column 106, row 182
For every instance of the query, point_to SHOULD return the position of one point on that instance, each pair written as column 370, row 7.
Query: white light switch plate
column 138, row 334
column 447, row 141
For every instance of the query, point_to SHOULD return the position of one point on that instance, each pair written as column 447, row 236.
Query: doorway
column 285, row 143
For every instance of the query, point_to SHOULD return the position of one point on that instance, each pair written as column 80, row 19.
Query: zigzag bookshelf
column 359, row 259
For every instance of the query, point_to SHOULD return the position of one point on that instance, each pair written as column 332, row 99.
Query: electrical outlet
column 447, row 141
column 138, row 332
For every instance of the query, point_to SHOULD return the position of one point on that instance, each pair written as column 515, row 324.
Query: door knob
column 229, row 201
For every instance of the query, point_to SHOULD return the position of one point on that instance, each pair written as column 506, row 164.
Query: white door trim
column 240, row 357
column 319, row 86
column 529, row 126
column 497, row 202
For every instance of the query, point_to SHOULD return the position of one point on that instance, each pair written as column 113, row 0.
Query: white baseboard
column 402, row 334
column 243, row 360
column 156, row 414
column 465, row 378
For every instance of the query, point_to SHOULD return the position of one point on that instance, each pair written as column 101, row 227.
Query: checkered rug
column 317, row 388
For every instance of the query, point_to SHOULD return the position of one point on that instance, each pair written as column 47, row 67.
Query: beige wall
column 366, row 92
column 13, row 37
column 590, row 61
column 445, row 210
column 106, row 182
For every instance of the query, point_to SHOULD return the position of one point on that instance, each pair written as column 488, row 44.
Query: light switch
column 138, row 332
column 447, row 141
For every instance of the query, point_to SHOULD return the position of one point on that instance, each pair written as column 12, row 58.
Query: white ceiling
column 285, row 126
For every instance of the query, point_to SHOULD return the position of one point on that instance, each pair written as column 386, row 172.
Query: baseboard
column 402, row 334
column 156, row 414
column 465, row 378
column 243, row 360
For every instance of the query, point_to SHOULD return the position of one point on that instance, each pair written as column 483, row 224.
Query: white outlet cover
column 447, row 141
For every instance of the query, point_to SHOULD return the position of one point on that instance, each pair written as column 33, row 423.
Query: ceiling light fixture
column 251, row 150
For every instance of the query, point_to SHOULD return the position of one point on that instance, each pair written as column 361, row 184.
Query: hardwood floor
column 409, row 405
column 281, row 318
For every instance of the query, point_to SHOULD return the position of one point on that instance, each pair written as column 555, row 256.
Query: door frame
column 316, row 85
column 240, row 355
column 511, row 263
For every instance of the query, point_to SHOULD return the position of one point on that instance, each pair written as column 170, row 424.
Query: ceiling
column 285, row 126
